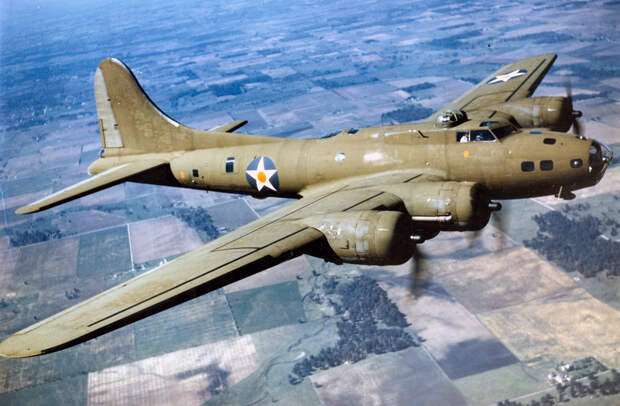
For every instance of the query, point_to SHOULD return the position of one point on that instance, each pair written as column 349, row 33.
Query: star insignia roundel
column 262, row 173
column 507, row 76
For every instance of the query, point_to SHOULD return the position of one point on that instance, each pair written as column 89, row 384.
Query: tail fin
column 127, row 116
column 130, row 123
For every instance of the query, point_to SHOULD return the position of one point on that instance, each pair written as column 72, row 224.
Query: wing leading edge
column 249, row 249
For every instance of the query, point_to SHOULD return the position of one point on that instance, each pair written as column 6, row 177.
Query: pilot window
column 230, row 165
column 527, row 166
column 481, row 135
column 546, row 165
column 462, row 136
column 501, row 132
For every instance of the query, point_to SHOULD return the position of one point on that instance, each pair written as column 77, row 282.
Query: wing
column 254, row 247
column 515, row 81
column 103, row 180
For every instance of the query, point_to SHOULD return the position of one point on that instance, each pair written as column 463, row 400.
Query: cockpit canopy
column 450, row 118
column 486, row 131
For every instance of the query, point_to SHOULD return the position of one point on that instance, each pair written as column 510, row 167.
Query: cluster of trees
column 455, row 41
column 238, row 86
column 72, row 294
column 411, row 112
column 362, row 307
column 583, row 367
column 345, row 81
column 576, row 244
column 546, row 400
column 30, row 236
column 419, row 87
column 575, row 390
column 364, row 298
column 199, row 219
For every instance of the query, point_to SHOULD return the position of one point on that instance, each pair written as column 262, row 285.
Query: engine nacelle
column 444, row 206
column 555, row 113
column 365, row 237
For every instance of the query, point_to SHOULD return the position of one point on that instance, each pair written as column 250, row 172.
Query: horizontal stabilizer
column 230, row 127
column 103, row 180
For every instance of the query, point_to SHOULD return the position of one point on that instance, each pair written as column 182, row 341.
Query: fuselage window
column 546, row 165
column 462, row 136
column 195, row 173
column 527, row 166
column 576, row 163
column 549, row 141
column 230, row 165
column 481, row 135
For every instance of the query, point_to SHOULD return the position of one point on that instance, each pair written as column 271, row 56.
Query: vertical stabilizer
column 127, row 116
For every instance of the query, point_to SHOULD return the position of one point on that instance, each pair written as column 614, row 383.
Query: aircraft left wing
column 254, row 247
column 514, row 81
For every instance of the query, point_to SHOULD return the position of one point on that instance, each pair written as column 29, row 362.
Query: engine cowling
column 444, row 206
column 555, row 113
column 365, row 237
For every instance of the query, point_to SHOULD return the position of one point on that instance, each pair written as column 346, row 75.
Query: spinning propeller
column 574, row 114
column 420, row 277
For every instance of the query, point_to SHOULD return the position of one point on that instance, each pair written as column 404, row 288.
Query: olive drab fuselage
column 302, row 163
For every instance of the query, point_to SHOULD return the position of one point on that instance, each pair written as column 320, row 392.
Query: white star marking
column 262, row 176
column 507, row 76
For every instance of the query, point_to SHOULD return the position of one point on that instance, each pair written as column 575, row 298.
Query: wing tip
column 26, row 210
column 11, row 348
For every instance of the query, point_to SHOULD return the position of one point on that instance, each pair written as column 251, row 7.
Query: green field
column 104, row 252
column 266, row 307
column 202, row 320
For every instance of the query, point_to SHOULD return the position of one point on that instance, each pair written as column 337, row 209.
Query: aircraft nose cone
column 600, row 157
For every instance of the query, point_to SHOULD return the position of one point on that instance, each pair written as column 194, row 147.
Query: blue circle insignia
column 262, row 173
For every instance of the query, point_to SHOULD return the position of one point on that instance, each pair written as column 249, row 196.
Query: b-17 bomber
column 364, row 196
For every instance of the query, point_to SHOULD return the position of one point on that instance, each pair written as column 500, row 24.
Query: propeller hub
column 495, row 206
column 418, row 239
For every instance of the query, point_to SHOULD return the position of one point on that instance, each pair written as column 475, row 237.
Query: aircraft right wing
column 514, row 81
column 256, row 246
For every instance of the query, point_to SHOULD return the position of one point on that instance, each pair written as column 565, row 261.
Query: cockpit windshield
column 474, row 135
column 501, row 132
column 481, row 135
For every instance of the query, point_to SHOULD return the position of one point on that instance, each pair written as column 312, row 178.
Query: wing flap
column 103, row 180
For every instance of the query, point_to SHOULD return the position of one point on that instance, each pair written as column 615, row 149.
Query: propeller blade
column 473, row 237
column 498, row 222
column 575, row 114
column 577, row 129
column 418, row 276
